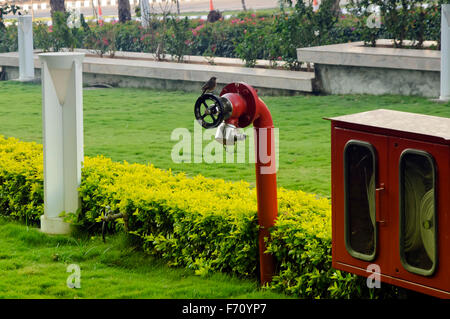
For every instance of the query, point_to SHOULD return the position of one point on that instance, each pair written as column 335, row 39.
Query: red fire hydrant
column 238, row 106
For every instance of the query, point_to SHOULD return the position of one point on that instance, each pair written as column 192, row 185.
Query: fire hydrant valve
column 238, row 106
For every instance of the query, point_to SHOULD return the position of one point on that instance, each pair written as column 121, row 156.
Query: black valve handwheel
column 209, row 111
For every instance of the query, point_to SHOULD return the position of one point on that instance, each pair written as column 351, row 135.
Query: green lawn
column 34, row 265
column 136, row 125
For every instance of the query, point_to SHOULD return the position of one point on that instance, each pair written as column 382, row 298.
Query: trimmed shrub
column 21, row 180
column 400, row 20
column 200, row 223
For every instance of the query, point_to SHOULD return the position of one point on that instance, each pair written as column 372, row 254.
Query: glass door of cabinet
column 418, row 220
column 360, row 171
column 359, row 201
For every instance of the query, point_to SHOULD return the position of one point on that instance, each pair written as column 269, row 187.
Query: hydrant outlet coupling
column 228, row 134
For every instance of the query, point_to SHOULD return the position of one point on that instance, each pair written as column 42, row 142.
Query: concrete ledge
column 351, row 68
column 356, row 54
column 183, row 76
column 196, row 59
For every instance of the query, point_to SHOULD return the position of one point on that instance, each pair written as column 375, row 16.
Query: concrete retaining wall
column 124, row 71
column 338, row 79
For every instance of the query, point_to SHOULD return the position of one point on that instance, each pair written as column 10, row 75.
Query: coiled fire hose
column 419, row 211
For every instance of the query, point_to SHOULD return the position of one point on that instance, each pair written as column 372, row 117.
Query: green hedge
column 399, row 20
column 200, row 223
column 247, row 36
column 241, row 36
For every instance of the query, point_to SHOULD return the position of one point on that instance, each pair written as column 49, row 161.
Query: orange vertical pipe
column 266, row 186
column 266, row 189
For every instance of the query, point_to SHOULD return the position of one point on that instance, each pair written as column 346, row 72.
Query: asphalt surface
column 201, row 6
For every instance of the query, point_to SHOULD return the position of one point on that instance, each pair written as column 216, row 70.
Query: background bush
column 199, row 223
column 248, row 36
column 415, row 20
column 9, row 38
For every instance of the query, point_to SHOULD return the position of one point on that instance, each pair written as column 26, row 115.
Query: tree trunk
column 124, row 11
column 336, row 8
column 243, row 5
column 178, row 6
column 57, row 5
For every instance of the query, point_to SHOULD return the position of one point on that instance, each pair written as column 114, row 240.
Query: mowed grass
column 136, row 125
column 34, row 265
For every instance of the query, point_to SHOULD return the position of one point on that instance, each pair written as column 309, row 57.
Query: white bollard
column 62, row 114
column 26, row 56
column 145, row 13
column 445, row 52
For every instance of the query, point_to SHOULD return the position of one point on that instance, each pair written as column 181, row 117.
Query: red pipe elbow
column 263, row 116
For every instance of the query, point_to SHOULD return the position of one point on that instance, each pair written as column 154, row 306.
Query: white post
column 26, row 56
column 62, row 114
column 445, row 52
column 145, row 13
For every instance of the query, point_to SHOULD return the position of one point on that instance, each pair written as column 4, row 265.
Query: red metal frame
column 248, row 108
column 389, row 146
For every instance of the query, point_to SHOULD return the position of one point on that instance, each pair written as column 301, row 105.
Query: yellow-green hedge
column 200, row 223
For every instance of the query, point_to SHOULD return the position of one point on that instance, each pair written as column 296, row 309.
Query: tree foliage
column 7, row 9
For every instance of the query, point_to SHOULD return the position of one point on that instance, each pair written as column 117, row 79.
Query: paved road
column 222, row 5
column 185, row 6
column 203, row 6
column 200, row 6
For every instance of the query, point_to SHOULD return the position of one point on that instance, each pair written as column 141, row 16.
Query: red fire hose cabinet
column 390, row 174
